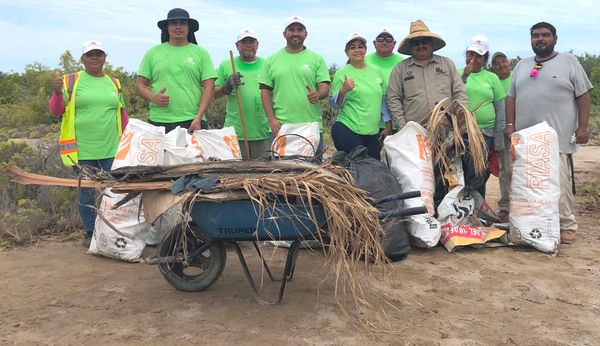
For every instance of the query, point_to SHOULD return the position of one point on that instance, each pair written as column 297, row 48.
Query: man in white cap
column 552, row 87
column 384, row 56
column 293, row 81
column 177, row 76
column 248, row 66
column 419, row 82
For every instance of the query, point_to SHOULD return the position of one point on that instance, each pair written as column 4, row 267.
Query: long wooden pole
column 239, row 101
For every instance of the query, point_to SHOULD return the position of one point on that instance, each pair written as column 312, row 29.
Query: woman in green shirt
column 358, row 92
column 486, row 95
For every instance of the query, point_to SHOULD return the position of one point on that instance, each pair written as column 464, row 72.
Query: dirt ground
column 55, row 293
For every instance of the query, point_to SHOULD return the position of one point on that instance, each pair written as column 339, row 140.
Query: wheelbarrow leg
column 288, row 272
column 264, row 262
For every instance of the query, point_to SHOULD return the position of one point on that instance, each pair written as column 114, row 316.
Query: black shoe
column 87, row 240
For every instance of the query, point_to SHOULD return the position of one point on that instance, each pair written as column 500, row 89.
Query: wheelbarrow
column 191, row 257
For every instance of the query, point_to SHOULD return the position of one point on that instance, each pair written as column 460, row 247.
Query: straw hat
column 419, row 29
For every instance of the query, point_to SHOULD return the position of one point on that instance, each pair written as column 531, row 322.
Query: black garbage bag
column 374, row 177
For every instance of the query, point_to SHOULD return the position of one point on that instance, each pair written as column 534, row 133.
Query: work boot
column 567, row 236
column 87, row 240
column 503, row 216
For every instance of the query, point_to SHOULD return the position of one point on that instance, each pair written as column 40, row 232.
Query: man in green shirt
column 384, row 57
column 502, row 67
column 177, row 77
column 248, row 67
column 293, row 81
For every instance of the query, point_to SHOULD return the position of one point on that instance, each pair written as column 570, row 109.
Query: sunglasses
column 535, row 69
column 385, row 39
column 94, row 53
column 421, row 41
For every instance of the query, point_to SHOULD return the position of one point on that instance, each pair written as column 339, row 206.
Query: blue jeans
column 346, row 140
column 87, row 197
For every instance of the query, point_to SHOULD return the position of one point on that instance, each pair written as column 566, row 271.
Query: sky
column 40, row 31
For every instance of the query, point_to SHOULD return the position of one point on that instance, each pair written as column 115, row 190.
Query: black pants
column 184, row 124
column 345, row 140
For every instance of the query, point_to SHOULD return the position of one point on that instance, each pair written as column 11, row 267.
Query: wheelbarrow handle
column 403, row 212
column 397, row 196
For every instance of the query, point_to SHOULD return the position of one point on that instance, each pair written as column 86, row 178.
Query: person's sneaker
column 567, row 236
column 87, row 240
column 502, row 216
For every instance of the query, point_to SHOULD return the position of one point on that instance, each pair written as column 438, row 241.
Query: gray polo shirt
column 550, row 96
column 414, row 90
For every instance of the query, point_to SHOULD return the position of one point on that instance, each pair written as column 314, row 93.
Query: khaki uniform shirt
column 414, row 90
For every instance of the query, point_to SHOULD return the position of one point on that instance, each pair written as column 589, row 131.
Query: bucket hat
column 419, row 29
column 175, row 14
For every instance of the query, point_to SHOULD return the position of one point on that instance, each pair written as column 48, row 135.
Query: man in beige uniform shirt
column 419, row 82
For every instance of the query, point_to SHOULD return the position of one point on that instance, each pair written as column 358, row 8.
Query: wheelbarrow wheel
column 192, row 274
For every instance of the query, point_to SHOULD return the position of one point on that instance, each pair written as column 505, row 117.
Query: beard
column 543, row 50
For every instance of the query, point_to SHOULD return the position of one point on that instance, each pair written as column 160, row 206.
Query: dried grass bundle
column 448, row 121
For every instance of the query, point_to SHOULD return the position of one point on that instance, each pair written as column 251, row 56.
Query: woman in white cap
column 93, row 119
column 486, row 95
column 358, row 92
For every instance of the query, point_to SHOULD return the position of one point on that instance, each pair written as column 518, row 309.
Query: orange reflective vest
column 68, row 143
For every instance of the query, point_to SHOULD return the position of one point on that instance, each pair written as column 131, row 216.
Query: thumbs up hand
column 313, row 97
column 57, row 83
column 348, row 85
column 160, row 98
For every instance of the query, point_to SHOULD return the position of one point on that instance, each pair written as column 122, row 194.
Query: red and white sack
column 128, row 238
column 456, row 236
column 297, row 139
column 178, row 150
column 141, row 144
column 535, row 188
column 221, row 144
column 410, row 160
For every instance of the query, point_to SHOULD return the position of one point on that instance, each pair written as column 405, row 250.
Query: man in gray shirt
column 419, row 82
column 552, row 87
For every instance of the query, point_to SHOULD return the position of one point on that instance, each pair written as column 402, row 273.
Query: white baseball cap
column 91, row 45
column 384, row 31
column 479, row 45
column 295, row 19
column 246, row 32
column 355, row 36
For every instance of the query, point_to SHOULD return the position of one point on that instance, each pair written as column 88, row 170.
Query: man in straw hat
column 294, row 80
column 177, row 77
column 419, row 82
column 248, row 66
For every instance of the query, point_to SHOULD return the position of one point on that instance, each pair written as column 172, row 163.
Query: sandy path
column 55, row 293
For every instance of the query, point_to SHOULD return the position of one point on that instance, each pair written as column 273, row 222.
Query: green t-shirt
column 506, row 83
column 288, row 74
column 386, row 64
column 257, row 125
column 181, row 69
column 96, row 102
column 361, row 110
column 483, row 88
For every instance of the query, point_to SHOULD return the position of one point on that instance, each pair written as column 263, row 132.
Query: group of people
column 375, row 94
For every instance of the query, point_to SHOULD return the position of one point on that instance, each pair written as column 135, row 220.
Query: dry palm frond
column 448, row 121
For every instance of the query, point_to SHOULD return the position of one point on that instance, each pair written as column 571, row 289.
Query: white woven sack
column 221, row 144
column 297, row 139
column 535, row 188
column 177, row 150
column 141, row 144
column 128, row 238
column 409, row 156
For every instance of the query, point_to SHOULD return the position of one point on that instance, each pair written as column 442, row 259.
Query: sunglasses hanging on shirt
column 535, row 69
